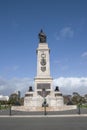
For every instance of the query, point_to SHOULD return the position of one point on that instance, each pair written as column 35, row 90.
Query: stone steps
column 58, row 108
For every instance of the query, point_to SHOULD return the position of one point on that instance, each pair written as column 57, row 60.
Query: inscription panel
column 43, row 86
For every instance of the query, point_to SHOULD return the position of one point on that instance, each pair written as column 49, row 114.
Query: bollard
column 45, row 110
column 79, row 111
column 10, row 110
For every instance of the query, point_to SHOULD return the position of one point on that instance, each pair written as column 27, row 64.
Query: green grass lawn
column 84, row 106
column 2, row 107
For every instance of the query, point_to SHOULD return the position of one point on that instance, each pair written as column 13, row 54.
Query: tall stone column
column 43, row 79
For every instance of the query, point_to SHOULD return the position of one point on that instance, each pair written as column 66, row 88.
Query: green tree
column 14, row 100
column 77, row 99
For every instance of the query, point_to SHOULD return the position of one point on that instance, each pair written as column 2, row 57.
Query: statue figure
column 57, row 88
column 42, row 37
column 30, row 89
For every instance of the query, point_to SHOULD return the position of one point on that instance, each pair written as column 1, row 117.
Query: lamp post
column 79, row 112
column 79, row 105
column 10, row 109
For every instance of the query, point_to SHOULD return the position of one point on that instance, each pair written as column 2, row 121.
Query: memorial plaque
column 43, row 86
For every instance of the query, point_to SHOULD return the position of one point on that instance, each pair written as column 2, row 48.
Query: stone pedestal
column 33, row 101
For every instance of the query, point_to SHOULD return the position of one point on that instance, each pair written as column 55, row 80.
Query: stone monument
column 43, row 80
column 43, row 93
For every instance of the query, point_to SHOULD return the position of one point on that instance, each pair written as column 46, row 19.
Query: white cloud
column 84, row 54
column 66, row 85
column 9, row 86
column 66, row 32
column 70, row 85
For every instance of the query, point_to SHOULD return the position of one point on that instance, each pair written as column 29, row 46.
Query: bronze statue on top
column 42, row 37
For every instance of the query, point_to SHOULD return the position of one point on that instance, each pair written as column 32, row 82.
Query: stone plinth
column 35, row 101
column 55, row 101
column 57, row 108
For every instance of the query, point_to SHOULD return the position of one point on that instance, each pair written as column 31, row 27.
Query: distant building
column 67, row 99
column 4, row 98
column 15, row 94
column 18, row 93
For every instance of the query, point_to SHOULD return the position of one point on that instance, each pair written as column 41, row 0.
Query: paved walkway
column 44, row 116
column 69, row 113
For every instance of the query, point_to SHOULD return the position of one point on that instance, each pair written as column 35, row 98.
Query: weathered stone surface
column 56, row 108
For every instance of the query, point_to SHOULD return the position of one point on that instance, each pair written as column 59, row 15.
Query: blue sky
column 65, row 24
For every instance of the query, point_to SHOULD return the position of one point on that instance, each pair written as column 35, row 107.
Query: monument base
column 35, row 101
column 35, row 109
column 38, row 101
